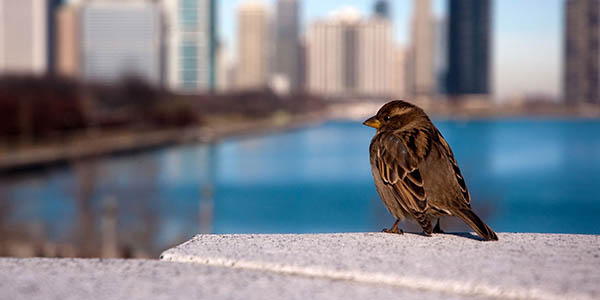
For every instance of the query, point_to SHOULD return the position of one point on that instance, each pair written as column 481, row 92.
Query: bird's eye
column 387, row 118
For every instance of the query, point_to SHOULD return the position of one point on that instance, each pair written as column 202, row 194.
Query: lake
column 524, row 175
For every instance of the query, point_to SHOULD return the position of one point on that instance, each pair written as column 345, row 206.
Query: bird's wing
column 445, row 148
column 398, row 167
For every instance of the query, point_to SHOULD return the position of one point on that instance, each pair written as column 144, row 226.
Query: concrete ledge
column 519, row 266
column 325, row 266
column 74, row 279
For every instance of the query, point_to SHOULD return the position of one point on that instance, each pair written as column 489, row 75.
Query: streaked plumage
column 415, row 172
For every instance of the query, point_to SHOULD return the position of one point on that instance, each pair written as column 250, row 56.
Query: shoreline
column 33, row 157
column 127, row 142
column 470, row 110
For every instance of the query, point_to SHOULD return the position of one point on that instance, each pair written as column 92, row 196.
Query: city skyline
column 526, row 50
column 527, row 44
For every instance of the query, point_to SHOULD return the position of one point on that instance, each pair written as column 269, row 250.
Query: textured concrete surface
column 326, row 266
column 519, row 266
column 71, row 279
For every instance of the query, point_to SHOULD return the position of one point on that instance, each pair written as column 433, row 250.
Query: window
column 189, row 63
column 188, row 13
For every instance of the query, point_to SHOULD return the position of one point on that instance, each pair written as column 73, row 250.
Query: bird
column 415, row 172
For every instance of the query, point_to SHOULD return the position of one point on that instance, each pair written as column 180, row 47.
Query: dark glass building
column 581, row 81
column 469, row 38
column 53, row 6
column 382, row 9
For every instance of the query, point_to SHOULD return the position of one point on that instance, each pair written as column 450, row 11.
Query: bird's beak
column 372, row 122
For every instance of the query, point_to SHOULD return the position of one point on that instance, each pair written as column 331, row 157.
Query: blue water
column 525, row 175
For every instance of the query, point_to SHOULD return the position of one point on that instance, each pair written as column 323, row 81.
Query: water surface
column 524, row 175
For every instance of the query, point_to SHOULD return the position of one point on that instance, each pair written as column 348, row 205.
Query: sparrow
column 415, row 172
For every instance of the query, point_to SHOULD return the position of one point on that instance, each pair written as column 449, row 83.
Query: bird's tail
column 484, row 231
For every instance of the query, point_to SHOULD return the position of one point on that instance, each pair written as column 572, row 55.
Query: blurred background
column 127, row 127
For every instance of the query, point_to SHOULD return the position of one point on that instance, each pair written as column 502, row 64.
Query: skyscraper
column 581, row 77
column 120, row 39
column 376, row 57
column 331, row 55
column 469, row 38
column 52, row 8
column 23, row 36
column 214, row 47
column 382, row 9
column 252, row 70
column 287, row 56
column 421, row 54
column 190, row 45
column 440, row 60
column 349, row 55
column 223, row 67
column 399, row 90
column 67, row 43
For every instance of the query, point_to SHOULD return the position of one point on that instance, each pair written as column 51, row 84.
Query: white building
column 189, row 45
column 68, row 42
column 324, row 58
column 348, row 55
column 23, row 36
column 120, row 39
column 253, row 40
column 376, row 57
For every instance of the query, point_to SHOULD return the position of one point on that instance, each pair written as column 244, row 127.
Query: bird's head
column 395, row 114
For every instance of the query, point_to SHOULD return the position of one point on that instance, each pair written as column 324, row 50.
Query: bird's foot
column 438, row 228
column 396, row 230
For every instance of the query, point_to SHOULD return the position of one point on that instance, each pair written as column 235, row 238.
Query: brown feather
column 459, row 178
column 393, row 168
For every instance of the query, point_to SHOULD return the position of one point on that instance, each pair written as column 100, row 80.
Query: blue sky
column 527, row 41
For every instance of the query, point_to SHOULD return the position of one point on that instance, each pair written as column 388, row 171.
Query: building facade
column 253, row 67
column 23, row 37
column 120, row 39
column 51, row 11
column 190, row 45
column 581, row 81
column 67, row 41
column 469, row 38
column 331, row 63
column 399, row 80
column 376, row 57
column 421, row 54
column 350, row 56
column 287, row 43
column 440, row 57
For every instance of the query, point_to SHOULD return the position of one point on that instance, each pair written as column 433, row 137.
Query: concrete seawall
column 326, row 266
